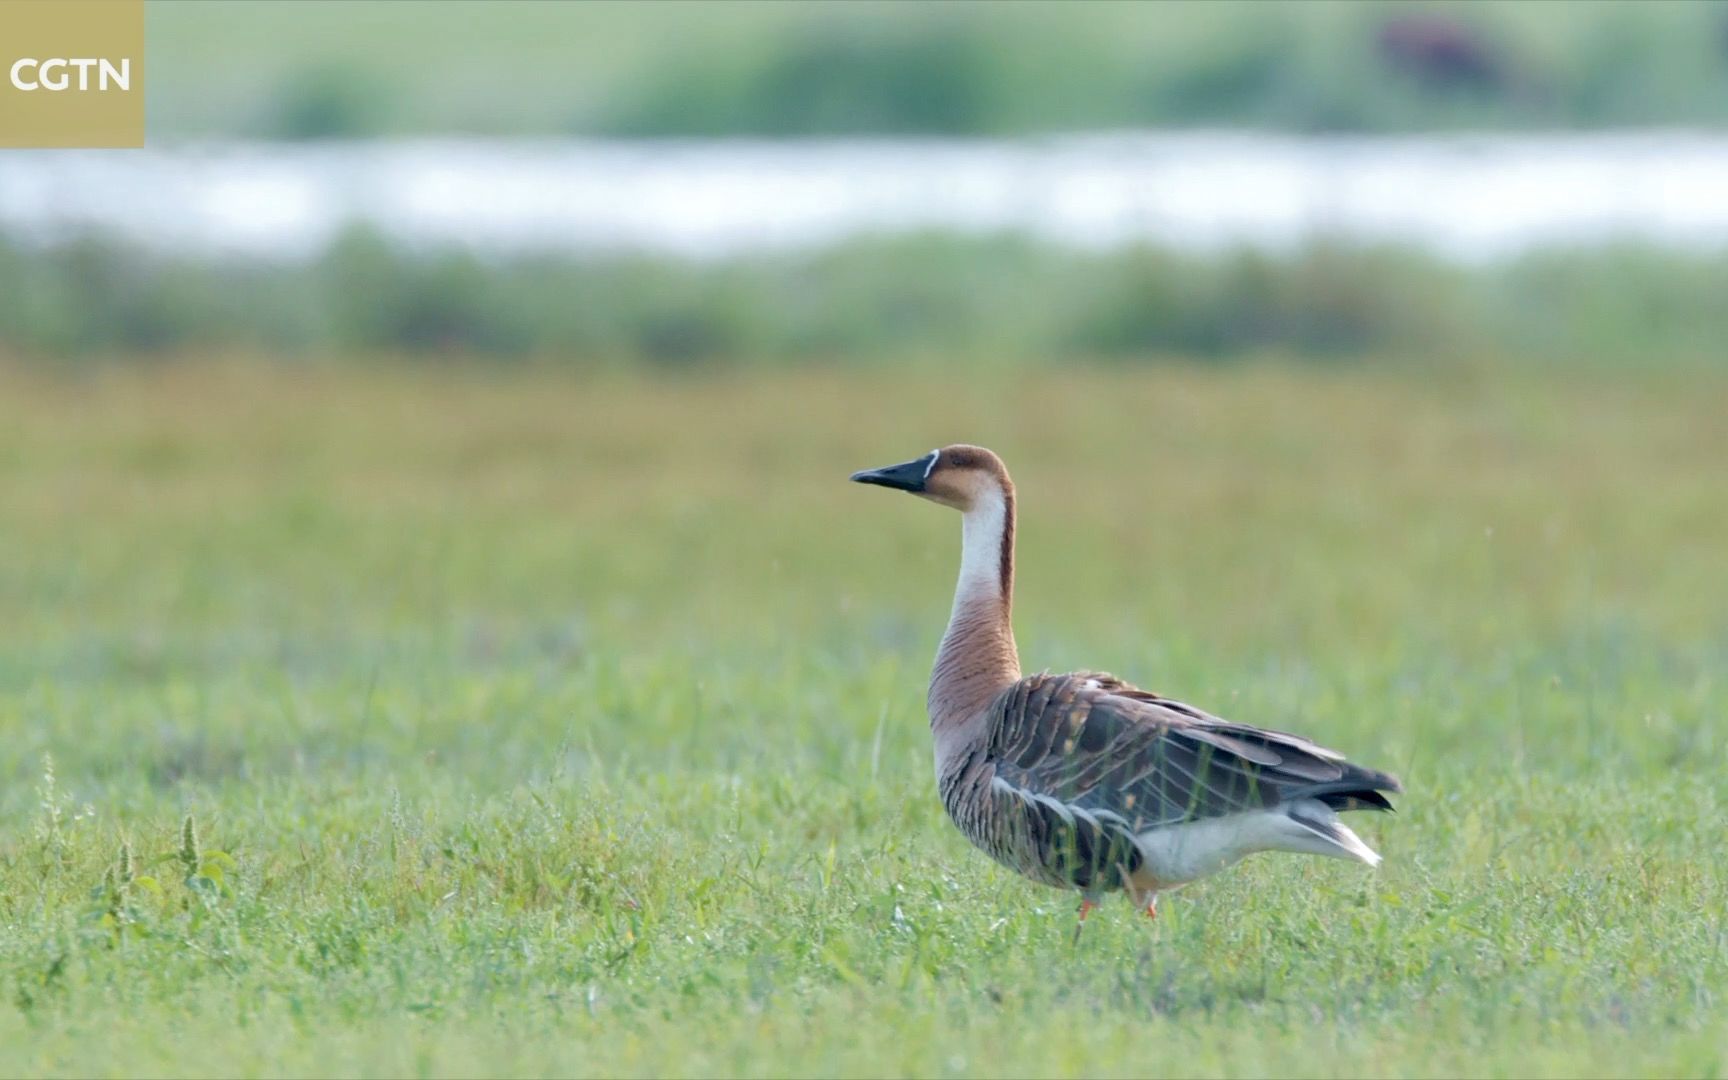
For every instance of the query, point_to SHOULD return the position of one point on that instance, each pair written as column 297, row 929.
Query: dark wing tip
column 1362, row 791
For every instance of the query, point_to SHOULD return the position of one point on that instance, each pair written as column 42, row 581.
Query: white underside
column 1176, row 854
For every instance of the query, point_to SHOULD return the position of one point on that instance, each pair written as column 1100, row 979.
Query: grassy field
column 533, row 724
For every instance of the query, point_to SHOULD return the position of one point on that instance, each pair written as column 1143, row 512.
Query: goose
column 1083, row 781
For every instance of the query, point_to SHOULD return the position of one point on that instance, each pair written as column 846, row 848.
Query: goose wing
column 1133, row 760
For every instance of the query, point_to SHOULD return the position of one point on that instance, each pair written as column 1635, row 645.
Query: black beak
column 909, row 476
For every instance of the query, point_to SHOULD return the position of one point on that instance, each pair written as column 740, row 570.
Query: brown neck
column 977, row 659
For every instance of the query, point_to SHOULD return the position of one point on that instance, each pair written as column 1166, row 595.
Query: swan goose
column 1083, row 781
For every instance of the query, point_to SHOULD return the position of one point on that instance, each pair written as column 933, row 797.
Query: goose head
column 960, row 476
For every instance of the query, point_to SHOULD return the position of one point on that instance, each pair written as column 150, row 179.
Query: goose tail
column 1314, row 829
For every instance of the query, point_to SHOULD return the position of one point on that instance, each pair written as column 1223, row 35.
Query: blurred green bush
column 329, row 101
column 1353, row 67
column 993, row 300
column 417, row 66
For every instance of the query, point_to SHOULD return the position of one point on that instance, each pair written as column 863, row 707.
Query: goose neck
column 977, row 658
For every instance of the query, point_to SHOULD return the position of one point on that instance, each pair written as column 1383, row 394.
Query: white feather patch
column 1180, row 853
column 981, row 549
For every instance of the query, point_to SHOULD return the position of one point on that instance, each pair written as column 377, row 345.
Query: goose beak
column 907, row 476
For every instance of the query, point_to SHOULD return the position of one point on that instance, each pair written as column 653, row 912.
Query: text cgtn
column 57, row 73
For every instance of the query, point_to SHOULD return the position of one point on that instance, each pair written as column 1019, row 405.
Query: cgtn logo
column 72, row 74
column 57, row 73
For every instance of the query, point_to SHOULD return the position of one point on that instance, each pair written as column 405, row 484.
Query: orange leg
column 1152, row 906
column 1086, row 906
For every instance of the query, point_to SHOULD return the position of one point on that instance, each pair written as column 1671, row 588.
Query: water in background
column 1471, row 198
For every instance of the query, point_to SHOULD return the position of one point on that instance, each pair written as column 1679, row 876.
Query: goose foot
column 1152, row 906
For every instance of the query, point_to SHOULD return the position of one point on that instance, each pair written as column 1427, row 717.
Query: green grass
column 533, row 724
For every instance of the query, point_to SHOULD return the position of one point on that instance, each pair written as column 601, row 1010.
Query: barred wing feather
column 1138, row 761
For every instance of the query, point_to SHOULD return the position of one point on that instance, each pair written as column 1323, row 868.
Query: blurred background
column 524, row 329
column 721, row 185
column 547, row 324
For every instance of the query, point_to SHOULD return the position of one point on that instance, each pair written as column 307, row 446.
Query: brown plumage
column 1083, row 781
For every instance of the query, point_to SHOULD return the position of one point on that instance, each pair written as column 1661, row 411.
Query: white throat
column 981, row 550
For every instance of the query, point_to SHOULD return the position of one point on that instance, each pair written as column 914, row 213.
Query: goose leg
column 1145, row 899
column 1087, row 903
